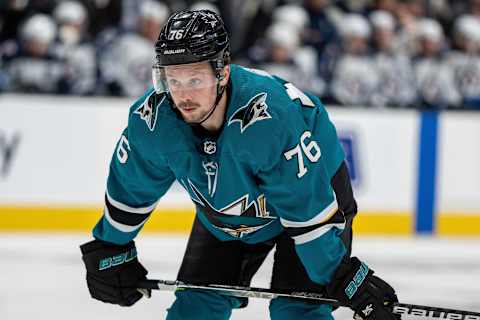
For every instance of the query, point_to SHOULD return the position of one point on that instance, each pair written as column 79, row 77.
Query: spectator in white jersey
column 205, row 5
column 465, row 60
column 396, row 86
column 408, row 13
column 75, row 49
column 126, row 65
column 29, row 64
column 354, row 81
column 283, row 52
column 3, row 74
column 434, row 77
column 322, row 34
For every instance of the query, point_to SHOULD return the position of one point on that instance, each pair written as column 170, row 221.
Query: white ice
column 42, row 277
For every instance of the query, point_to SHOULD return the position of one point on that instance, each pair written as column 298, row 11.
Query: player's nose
column 185, row 94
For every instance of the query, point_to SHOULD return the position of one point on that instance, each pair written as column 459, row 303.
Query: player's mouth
column 188, row 107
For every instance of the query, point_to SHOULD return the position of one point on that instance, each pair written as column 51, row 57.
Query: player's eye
column 173, row 83
column 195, row 82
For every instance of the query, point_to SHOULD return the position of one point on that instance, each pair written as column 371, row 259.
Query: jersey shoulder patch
column 255, row 110
column 148, row 109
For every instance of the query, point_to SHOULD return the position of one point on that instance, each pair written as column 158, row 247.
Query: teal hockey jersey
column 267, row 171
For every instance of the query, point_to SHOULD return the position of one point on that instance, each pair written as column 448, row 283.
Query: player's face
column 193, row 89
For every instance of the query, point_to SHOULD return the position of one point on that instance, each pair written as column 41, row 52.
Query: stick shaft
column 252, row 292
column 243, row 292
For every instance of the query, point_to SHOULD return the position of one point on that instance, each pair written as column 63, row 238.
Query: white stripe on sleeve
column 124, row 207
column 321, row 217
column 120, row 226
column 314, row 234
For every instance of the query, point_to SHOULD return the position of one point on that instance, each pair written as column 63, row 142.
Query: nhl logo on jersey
column 148, row 109
column 255, row 110
column 209, row 147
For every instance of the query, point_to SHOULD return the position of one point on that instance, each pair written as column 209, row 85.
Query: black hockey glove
column 367, row 295
column 112, row 272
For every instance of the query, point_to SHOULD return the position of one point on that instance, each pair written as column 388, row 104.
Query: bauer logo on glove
column 117, row 259
column 357, row 281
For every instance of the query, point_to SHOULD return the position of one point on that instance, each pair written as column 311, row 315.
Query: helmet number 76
column 175, row 34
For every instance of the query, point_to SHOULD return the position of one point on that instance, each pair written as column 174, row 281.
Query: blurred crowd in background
column 369, row 53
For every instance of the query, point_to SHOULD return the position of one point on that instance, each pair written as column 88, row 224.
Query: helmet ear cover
column 219, row 64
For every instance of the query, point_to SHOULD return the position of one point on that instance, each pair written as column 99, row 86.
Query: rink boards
column 413, row 172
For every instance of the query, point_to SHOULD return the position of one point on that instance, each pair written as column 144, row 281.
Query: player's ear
column 226, row 75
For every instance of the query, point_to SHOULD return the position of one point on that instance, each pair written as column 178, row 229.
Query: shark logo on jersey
column 148, row 109
column 220, row 219
column 255, row 110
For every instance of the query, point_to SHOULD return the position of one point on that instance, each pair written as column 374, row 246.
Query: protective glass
column 192, row 77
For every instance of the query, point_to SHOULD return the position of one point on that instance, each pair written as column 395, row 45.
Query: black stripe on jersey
column 337, row 218
column 125, row 217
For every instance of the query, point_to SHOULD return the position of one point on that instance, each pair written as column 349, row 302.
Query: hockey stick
column 251, row 292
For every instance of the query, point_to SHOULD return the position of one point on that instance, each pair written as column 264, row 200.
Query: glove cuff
column 348, row 279
column 100, row 256
column 96, row 244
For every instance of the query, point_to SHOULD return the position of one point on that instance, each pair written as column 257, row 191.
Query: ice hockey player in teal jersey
column 263, row 165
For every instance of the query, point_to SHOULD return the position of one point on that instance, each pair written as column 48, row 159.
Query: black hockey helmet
column 193, row 36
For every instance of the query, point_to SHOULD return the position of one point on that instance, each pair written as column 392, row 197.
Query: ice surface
column 42, row 277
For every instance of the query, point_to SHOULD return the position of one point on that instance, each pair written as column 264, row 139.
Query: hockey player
column 263, row 165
